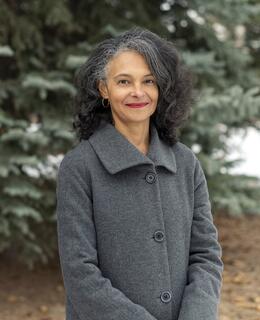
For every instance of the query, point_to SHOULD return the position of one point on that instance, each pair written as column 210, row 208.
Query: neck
column 137, row 134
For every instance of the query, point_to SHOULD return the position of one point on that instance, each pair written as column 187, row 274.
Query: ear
column 103, row 89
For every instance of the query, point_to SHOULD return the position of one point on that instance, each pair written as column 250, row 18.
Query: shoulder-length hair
column 174, row 82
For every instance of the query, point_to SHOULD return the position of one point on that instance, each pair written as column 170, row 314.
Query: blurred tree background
column 42, row 43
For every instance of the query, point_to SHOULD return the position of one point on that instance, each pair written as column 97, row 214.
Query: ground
column 39, row 294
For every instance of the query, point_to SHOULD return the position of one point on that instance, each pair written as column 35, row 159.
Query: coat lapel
column 117, row 153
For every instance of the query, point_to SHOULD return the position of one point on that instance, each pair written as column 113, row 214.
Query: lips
column 136, row 105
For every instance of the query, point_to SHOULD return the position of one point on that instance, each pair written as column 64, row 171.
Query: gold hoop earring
column 105, row 105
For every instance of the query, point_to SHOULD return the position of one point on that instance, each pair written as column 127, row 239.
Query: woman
column 135, row 229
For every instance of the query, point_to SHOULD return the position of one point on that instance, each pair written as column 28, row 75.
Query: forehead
column 130, row 62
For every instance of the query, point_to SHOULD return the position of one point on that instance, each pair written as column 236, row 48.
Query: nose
column 137, row 91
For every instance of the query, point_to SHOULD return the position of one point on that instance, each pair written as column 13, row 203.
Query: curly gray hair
column 174, row 82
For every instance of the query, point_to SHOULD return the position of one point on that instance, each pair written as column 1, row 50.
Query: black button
column 166, row 296
column 150, row 177
column 158, row 236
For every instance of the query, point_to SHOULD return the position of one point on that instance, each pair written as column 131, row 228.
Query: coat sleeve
column 202, row 292
column 90, row 293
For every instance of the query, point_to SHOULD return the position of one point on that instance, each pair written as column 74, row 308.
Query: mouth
column 137, row 105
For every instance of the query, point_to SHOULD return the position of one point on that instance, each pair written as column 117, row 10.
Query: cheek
column 154, row 94
column 119, row 98
column 118, row 95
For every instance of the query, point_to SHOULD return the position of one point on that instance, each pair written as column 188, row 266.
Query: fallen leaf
column 12, row 299
column 244, row 304
column 44, row 309
column 257, row 299
column 239, row 299
column 59, row 288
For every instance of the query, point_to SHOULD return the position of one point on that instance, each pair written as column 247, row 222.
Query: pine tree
column 41, row 46
column 214, row 38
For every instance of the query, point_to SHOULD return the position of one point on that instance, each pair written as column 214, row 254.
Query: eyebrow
column 128, row 75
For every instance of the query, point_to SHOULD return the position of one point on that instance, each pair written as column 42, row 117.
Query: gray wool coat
column 135, row 232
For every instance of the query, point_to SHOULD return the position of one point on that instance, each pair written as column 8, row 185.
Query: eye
column 123, row 81
column 150, row 81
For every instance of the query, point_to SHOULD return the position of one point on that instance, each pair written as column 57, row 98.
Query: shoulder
column 76, row 159
column 73, row 170
column 184, row 154
column 187, row 161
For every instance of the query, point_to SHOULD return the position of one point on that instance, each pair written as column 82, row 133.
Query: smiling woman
column 132, row 92
column 135, row 230
column 136, row 67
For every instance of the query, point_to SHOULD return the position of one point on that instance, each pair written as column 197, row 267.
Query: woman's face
column 130, row 87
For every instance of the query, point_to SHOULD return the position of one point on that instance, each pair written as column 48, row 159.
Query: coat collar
column 117, row 153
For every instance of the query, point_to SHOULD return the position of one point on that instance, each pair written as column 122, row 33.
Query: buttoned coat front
column 135, row 232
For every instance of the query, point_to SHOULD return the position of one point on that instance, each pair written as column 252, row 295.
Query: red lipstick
column 136, row 105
